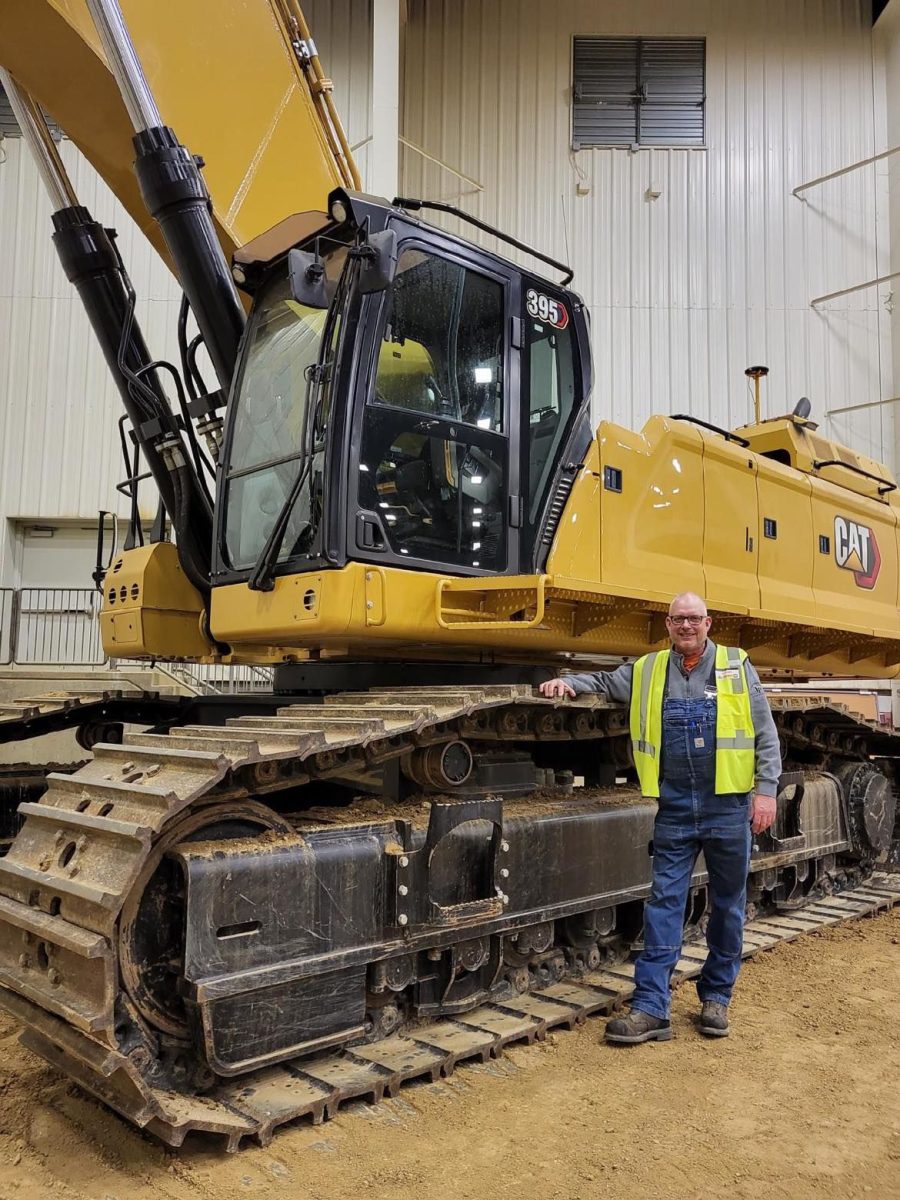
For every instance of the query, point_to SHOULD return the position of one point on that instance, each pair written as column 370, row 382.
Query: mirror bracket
column 306, row 276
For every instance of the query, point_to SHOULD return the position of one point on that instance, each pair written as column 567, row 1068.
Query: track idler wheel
column 88, row 735
column 153, row 924
column 871, row 809
column 439, row 767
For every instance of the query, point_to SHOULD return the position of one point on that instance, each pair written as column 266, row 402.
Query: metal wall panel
column 696, row 263
column 59, row 452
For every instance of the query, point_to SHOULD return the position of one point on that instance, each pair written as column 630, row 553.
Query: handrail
column 854, row 166
column 730, row 437
column 494, row 622
column 886, row 484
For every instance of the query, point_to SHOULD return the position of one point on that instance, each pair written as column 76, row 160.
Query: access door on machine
column 438, row 469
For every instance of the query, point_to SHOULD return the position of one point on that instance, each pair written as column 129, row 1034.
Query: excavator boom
column 240, row 83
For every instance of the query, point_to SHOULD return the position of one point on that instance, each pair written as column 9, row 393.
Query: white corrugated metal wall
column 887, row 44
column 685, row 290
column 717, row 273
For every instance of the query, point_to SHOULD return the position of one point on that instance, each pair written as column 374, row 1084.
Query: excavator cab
column 427, row 424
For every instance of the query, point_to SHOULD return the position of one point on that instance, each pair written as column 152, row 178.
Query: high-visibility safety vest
column 735, row 735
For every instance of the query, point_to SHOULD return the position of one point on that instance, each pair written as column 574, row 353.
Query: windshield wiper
column 262, row 576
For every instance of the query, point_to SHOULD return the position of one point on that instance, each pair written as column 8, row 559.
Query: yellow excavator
column 390, row 492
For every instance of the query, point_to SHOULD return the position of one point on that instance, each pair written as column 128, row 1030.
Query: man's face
column 688, row 626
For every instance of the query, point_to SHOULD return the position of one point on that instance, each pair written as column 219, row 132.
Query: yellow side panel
column 224, row 78
column 150, row 609
column 730, row 543
column 845, row 596
column 785, row 560
column 300, row 610
column 653, row 528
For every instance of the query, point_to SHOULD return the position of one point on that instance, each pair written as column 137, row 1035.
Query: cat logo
column 856, row 550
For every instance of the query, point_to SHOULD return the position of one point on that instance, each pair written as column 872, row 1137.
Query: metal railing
column 8, row 605
column 212, row 679
column 44, row 627
column 60, row 627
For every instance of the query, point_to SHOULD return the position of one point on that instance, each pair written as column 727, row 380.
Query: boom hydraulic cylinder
column 176, row 196
column 92, row 264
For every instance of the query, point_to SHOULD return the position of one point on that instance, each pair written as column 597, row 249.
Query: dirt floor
column 802, row 1101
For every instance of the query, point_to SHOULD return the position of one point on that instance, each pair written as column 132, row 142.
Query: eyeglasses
column 695, row 621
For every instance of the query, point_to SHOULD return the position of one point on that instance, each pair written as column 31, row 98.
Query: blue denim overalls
column 692, row 818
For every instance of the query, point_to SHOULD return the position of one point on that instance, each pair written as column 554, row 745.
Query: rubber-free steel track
column 83, row 847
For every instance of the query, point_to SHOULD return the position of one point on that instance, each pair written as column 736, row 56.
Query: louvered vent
column 555, row 509
column 638, row 91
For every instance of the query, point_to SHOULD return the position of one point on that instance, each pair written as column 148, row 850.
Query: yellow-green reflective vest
column 735, row 735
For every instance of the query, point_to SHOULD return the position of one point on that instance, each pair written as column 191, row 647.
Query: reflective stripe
column 740, row 741
column 646, row 676
column 645, row 748
column 733, row 658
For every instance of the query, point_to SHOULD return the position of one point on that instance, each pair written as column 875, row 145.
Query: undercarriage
column 224, row 928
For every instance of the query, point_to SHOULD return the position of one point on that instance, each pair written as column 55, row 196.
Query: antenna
column 756, row 374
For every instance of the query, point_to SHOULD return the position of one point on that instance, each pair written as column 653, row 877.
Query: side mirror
column 106, row 521
column 306, row 276
column 379, row 262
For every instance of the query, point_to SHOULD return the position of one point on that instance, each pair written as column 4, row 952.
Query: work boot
column 638, row 1027
column 713, row 1019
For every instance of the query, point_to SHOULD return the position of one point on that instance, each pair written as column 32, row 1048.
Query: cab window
column 551, row 391
column 441, row 352
column 434, row 457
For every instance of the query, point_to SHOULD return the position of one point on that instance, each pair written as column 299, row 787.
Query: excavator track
column 86, row 847
column 50, row 712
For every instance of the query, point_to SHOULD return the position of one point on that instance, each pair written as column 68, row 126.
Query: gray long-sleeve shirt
column 681, row 685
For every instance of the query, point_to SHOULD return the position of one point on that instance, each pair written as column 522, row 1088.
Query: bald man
column 705, row 747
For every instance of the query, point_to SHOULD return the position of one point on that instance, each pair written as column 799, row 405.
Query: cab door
column 437, row 475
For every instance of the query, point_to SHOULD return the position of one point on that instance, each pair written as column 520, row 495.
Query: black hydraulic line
column 91, row 262
column 192, row 349
column 183, row 310
column 201, row 462
column 412, row 205
column 193, row 380
column 158, row 528
column 175, row 194
column 130, row 488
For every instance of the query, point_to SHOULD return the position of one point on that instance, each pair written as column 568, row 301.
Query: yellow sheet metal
column 225, row 79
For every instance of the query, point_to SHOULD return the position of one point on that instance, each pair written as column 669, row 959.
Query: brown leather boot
column 713, row 1020
column 638, row 1027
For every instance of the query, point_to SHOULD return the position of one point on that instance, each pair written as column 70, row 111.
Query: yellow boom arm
column 239, row 83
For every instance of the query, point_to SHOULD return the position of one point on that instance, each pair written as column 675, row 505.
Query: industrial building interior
column 721, row 181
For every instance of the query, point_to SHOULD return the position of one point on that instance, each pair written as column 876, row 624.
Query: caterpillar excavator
column 392, row 493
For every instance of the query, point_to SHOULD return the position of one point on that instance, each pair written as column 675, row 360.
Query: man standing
column 705, row 746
